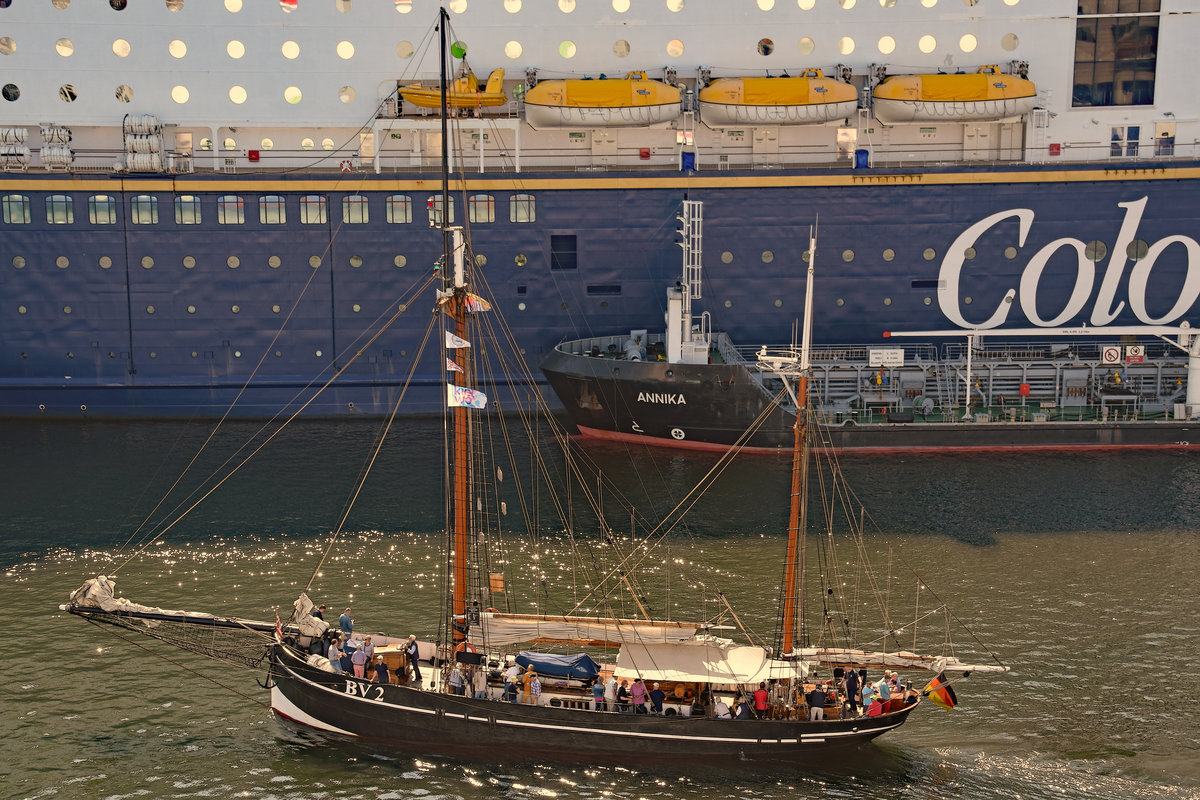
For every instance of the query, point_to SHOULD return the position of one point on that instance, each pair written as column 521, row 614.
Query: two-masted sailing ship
column 454, row 689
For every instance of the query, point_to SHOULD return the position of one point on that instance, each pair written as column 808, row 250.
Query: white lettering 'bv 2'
column 1105, row 309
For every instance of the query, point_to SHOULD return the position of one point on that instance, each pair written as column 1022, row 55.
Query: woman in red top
column 761, row 703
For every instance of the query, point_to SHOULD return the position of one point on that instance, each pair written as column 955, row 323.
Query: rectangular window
column 102, row 209
column 231, row 210
column 1116, row 52
column 481, row 208
column 143, row 209
column 925, row 283
column 354, row 210
column 604, row 288
column 562, row 252
column 434, row 205
column 522, row 208
column 399, row 209
column 187, row 209
column 312, row 210
column 16, row 209
column 60, row 210
column 272, row 210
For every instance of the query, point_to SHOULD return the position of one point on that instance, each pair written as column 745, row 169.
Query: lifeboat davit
column 786, row 100
column 464, row 92
column 986, row 94
column 605, row 103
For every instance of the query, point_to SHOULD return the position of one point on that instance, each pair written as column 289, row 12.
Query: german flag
column 940, row 692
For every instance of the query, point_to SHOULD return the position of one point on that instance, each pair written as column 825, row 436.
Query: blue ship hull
column 150, row 336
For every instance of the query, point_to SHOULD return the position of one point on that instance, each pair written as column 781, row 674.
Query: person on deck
column 381, row 671
column 816, row 702
column 852, row 691
column 535, row 690
column 335, row 655
column 510, row 691
column 527, row 685
column 762, row 701
column 637, row 695
column 741, row 709
column 346, row 624
column 457, row 681
column 721, row 710
column 657, row 696
column 319, row 613
column 479, row 682
column 414, row 657
column 359, row 660
column 623, row 698
column 370, row 648
column 610, row 692
column 876, row 707
column 597, row 695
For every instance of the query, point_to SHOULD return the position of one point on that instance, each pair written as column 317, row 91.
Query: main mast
column 454, row 292
column 793, row 578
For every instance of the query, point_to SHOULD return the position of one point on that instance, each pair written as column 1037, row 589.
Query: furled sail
column 843, row 657
column 497, row 629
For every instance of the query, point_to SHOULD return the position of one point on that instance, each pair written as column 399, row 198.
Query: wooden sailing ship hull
column 409, row 720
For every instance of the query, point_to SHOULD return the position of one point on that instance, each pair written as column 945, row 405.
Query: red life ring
column 465, row 647
column 346, row 165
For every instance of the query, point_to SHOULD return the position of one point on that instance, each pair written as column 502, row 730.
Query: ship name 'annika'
column 662, row 398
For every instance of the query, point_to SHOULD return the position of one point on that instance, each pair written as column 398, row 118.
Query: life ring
column 490, row 611
column 465, row 647
column 346, row 165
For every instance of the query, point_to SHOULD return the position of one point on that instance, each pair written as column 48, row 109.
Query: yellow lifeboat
column 605, row 103
column 787, row 100
column 464, row 92
column 984, row 94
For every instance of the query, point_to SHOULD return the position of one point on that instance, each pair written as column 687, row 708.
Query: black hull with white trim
column 411, row 720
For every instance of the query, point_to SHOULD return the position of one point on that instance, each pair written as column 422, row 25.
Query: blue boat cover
column 579, row 666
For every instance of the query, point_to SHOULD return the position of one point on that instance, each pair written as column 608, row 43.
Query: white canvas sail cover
column 708, row 661
column 844, row 657
column 497, row 629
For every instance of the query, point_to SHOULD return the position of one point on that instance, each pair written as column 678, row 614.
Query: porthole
column 147, row 262
column 195, row 354
column 928, row 300
column 520, row 306
column 806, row 46
column 177, row 48
column 105, row 262
column 845, row 45
column 191, row 309
column 675, row 5
column 1010, row 253
column 121, row 48
column 765, row 46
column 778, row 303
column 345, row 50
column 402, row 308
column 153, row 354
column 22, row 310
column 521, row 260
column 512, row 6
column 7, row 46
column 189, row 262
column 1095, row 250
column 929, row 3
column 237, row 94
column 927, row 44
column 566, row 49
column 292, row 95
column 356, row 308
column 236, row 309
column 68, row 94
column 273, row 262
column 968, row 300
column 19, row 262
column 1008, row 298
column 887, row 301
column 1137, row 250
column 279, row 354
column 356, row 261
column 66, row 309
column 10, row 92
column 566, row 6
column 729, row 304
column 400, row 261
column 123, row 93
column 314, row 261
column 237, row 353
column 804, row 256
column 458, row 6
column 847, row 4
column 327, row 144
column 62, row 262
column 1010, row 42
column 766, row 5
column 969, row 254
column 180, row 94
column 840, row 302
column 968, row 43
column 726, row 257
column 847, row 256
column 306, row 143
column 889, row 254
column 319, row 354
column 620, row 6
column 620, row 48
column 513, row 49
column 767, row 256
column 675, row 48
column 405, row 49
column 480, row 259
column 806, row 5
column 233, row 262
column 290, row 50
column 887, row 45
column 149, row 309
column 929, row 254
column 235, row 49
column 64, row 47
column 275, row 308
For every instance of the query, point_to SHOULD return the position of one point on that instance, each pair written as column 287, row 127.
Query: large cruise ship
column 207, row 198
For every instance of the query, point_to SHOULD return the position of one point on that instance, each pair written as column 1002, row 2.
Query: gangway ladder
column 689, row 338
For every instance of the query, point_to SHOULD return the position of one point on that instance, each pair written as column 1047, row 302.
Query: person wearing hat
column 657, row 696
column 414, row 656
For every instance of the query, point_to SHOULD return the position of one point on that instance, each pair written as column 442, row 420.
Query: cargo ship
column 210, row 202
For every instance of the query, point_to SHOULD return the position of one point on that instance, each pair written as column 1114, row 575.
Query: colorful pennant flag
column 452, row 367
column 460, row 396
column 453, row 342
column 475, row 304
column 288, row 6
column 940, row 692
